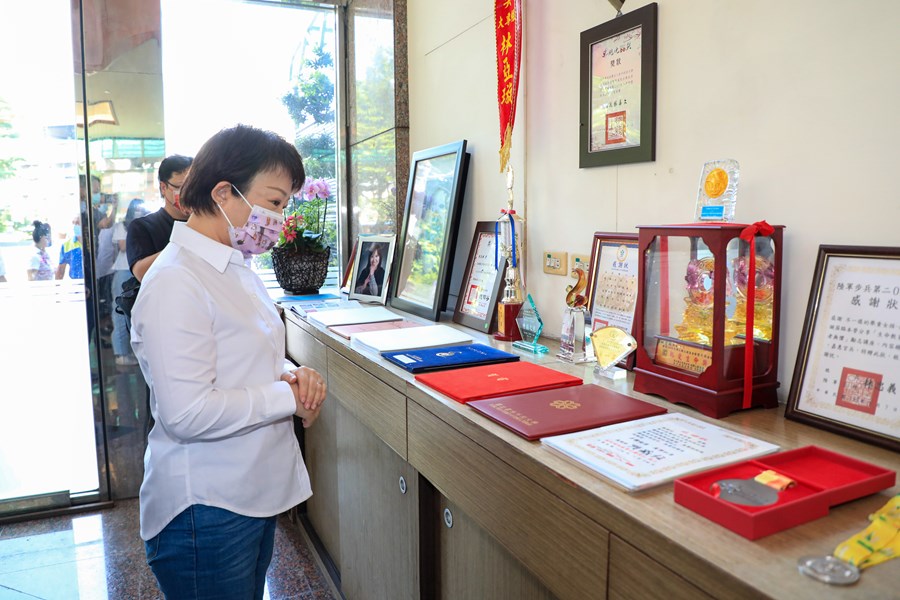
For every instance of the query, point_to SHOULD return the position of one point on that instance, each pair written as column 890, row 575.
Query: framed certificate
column 476, row 305
column 618, row 90
column 847, row 376
column 613, row 283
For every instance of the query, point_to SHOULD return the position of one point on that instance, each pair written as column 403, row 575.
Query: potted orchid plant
column 300, row 258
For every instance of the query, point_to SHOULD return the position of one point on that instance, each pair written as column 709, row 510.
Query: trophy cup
column 508, row 230
column 530, row 327
column 611, row 344
column 573, row 346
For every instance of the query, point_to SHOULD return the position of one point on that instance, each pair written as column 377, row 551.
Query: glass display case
column 692, row 315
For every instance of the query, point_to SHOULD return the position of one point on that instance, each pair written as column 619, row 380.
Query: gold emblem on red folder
column 565, row 404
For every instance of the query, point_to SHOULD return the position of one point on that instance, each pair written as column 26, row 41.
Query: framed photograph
column 476, row 306
column 427, row 239
column 371, row 266
column 847, row 376
column 618, row 90
column 612, row 285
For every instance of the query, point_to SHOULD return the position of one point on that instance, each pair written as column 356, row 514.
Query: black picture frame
column 422, row 266
column 845, row 361
column 476, row 281
column 602, row 272
column 620, row 144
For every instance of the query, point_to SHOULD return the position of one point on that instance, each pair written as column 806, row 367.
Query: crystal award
column 573, row 345
column 611, row 345
column 717, row 195
column 530, row 327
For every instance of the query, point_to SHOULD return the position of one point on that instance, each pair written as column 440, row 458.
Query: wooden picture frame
column 618, row 90
column 367, row 285
column 479, row 291
column 612, row 284
column 348, row 270
column 421, row 272
column 848, row 366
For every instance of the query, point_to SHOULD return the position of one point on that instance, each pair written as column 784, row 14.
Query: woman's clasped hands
column 309, row 392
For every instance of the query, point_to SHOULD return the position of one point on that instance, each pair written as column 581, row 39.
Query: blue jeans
column 208, row 552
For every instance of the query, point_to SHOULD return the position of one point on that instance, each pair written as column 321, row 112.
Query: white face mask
column 259, row 233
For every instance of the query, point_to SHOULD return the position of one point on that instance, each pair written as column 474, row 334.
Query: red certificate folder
column 489, row 381
column 822, row 479
column 535, row 415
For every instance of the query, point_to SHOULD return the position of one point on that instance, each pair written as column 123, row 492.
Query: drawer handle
column 448, row 518
column 402, row 485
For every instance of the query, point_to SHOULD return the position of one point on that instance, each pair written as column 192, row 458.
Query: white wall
column 805, row 94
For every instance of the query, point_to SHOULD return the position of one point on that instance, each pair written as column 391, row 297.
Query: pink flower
column 316, row 188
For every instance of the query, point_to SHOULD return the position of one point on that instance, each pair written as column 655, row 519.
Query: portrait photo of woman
column 372, row 268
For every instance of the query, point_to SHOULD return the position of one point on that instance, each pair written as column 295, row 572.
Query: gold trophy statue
column 508, row 231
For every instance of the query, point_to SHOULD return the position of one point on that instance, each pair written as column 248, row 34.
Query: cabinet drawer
column 378, row 406
column 561, row 546
column 304, row 349
column 633, row 574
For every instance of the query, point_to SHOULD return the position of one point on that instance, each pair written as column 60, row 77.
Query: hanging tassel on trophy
column 509, row 229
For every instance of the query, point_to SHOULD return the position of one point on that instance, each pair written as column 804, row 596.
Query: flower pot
column 300, row 272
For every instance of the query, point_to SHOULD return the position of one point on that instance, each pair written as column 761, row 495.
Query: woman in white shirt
column 222, row 459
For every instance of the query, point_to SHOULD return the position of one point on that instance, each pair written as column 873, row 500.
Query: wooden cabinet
column 320, row 447
column 632, row 574
column 467, row 561
column 561, row 546
column 378, row 516
column 527, row 523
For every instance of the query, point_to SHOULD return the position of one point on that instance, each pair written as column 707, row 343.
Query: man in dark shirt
column 148, row 235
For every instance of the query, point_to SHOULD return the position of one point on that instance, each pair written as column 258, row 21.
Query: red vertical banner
column 508, row 29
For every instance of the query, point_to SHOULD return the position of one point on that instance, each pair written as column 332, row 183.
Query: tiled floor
column 100, row 556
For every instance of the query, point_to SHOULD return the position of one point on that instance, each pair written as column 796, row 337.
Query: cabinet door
column 471, row 564
column 633, row 574
column 378, row 516
column 319, row 446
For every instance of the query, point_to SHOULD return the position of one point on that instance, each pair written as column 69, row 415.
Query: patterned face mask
column 259, row 233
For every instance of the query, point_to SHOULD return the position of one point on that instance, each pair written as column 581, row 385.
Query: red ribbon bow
column 748, row 234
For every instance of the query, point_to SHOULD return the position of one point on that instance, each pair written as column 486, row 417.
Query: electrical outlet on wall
column 581, row 261
column 555, row 263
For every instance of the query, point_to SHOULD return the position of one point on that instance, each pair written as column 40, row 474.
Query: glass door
column 52, row 451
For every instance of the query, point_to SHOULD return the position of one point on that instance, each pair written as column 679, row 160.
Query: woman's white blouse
column 211, row 347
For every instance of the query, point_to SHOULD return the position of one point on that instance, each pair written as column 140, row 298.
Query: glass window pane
column 276, row 72
column 373, row 185
column 46, row 388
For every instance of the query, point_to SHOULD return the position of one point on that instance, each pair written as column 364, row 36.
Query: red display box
column 823, row 479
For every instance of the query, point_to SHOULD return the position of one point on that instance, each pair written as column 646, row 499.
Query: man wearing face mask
column 148, row 235
column 71, row 254
column 222, row 459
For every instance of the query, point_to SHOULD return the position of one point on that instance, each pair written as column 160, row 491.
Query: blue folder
column 448, row 357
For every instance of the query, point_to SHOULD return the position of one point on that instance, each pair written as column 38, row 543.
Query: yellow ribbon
column 877, row 543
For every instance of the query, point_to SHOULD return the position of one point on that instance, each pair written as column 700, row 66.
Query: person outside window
column 121, row 274
column 40, row 268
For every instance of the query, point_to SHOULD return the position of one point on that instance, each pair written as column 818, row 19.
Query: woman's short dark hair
column 237, row 155
column 40, row 230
